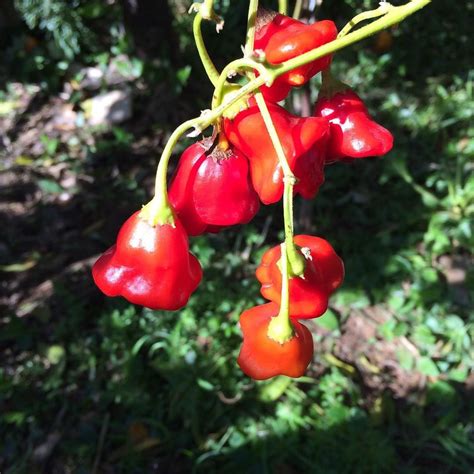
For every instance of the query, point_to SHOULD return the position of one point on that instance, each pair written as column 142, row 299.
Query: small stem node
column 158, row 211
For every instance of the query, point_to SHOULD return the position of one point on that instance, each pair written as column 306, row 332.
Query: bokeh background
column 89, row 93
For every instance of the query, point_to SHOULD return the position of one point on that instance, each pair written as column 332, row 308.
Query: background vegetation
column 89, row 384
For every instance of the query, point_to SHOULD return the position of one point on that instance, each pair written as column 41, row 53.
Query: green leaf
column 274, row 389
column 400, row 329
column 466, row 229
column 55, row 354
column 355, row 298
column 49, row 186
column 423, row 336
column 328, row 321
column 458, row 374
column 441, row 392
column 426, row 366
column 386, row 330
column 50, row 144
column 183, row 75
column 29, row 263
column 15, row 418
column 429, row 275
column 205, row 385
column 406, row 359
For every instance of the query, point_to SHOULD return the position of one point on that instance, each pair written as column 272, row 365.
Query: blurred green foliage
column 162, row 391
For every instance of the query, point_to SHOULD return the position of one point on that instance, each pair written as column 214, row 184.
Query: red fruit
column 353, row 132
column 149, row 265
column 309, row 169
column 303, row 141
column 277, row 91
column 309, row 293
column 210, row 191
column 282, row 38
column 261, row 357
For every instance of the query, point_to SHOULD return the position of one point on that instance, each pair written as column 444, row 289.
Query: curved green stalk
column 295, row 259
column 274, row 136
column 233, row 67
column 394, row 16
column 206, row 60
column 158, row 210
column 383, row 9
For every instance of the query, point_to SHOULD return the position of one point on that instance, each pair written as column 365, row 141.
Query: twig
column 100, row 444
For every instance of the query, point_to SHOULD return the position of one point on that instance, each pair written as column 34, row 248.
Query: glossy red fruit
column 277, row 92
column 261, row 357
column 303, row 140
column 309, row 293
column 212, row 189
column 282, row 38
column 354, row 134
column 149, row 265
column 309, row 170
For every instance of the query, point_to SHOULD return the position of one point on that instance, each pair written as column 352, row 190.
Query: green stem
column 382, row 10
column 199, row 123
column 233, row 67
column 283, row 7
column 251, row 18
column 274, row 136
column 280, row 328
column 396, row 15
column 295, row 259
column 206, row 60
column 297, row 10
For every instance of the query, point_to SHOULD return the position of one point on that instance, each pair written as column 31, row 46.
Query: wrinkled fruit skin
column 261, row 357
column 212, row 191
column 283, row 38
column 149, row 266
column 309, row 296
column 304, row 143
column 353, row 132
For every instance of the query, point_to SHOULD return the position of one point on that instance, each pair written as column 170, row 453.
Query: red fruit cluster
column 260, row 356
column 220, row 182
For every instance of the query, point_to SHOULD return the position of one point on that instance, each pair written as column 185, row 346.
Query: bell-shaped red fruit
column 282, row 38
column 211, row 189
column 303, row 141
column 354, row 134
column 309, row 292
column 261, row 357
column 150, row 265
